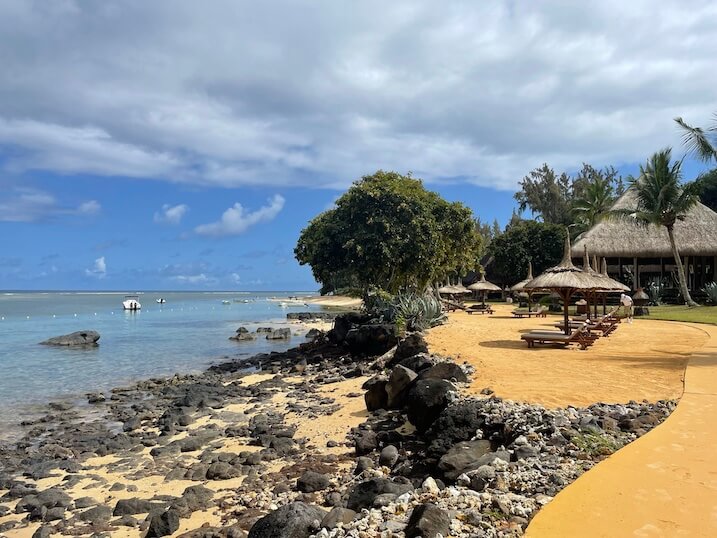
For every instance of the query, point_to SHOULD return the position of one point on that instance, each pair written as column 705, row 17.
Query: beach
column 227, row 446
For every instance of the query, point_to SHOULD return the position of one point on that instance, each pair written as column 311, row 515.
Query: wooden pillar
column 687, row 272
column 714, row 269
column 635, row 274
column 662, row 269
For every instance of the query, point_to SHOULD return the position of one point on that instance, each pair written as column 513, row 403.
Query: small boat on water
column 131, row 302
column 226, row 302
column 161, row 300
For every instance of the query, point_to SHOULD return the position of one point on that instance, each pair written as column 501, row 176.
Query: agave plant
column 711, row 290
column 416, row 312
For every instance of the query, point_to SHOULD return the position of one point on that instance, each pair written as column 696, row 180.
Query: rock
column 463, row 457
column 96, row 397
column 398, row 384
column 261, row 330
column 243, row 334
column 79, row 338
column 458, row 422
column 363, row 495
column 129, row 507
column 311, row 481
column 425, row 401
column 430, row 485
column 198, row 498
column 222, row 471
column 418, row 363
column 279, row 334
column 314, row 334
column 97, row 514
column 294, row 520
column 428, row 521
column 337, row 515
column 389, row 456
column 411, row 345
column 366, row 442
column 376, row 396
column 444, row 370
column 363, row 463
column 371, row 339
column 162, row 523
column 43, row 532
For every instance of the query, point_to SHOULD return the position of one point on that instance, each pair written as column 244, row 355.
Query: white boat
column 161, row 300
column 131, row 302
column 226, row 302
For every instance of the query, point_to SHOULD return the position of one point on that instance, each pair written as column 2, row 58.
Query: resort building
column 640, row 256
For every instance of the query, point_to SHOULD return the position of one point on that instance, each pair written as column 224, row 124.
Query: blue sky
column 173, row 145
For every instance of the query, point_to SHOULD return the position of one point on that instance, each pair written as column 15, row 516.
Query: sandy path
column 662, row 485
column 643, row 360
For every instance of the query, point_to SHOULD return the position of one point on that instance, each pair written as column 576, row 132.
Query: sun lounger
column 579, row 336
column 480, row 309
column 539, row 313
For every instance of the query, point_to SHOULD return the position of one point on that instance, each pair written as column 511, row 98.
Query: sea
column 186, row 334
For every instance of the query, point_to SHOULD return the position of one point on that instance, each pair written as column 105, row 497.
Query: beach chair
column 540, row 312
column 579, row 336
column 480, row 309
column 605, row 324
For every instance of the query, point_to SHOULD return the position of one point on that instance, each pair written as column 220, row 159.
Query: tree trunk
column 680, row 269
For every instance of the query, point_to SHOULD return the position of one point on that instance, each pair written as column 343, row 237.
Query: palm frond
column 696, row 141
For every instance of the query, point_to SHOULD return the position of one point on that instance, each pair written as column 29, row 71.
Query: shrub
column 711, row 290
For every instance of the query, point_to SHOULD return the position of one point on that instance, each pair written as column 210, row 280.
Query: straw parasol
column 483, row 286
column 565, row 279
column 520, row 286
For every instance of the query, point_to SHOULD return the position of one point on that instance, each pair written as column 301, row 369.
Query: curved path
column 663, row 484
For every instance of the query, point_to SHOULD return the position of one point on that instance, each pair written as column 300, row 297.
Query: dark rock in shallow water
column 279, row 334
column 162, row 524
column 294, row 520
column 79, row 338
column 425, row 401
column 428, row 521
column 311, row 481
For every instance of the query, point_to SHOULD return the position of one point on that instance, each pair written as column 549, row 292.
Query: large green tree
column 522, row 242
column 663, row 199
column 388, row 231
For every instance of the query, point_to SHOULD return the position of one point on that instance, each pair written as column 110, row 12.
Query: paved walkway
column 662, row 485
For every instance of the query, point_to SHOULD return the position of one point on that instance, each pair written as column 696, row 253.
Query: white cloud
column 237, row 220
column 171, row 214
column 99, row 270
column 201, row 278
column 478, row 92
column 91, row 207
column 25, row 204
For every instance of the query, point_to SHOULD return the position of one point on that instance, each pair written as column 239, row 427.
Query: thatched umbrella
column 565, row 279
column 520, row 286
column 483, row 286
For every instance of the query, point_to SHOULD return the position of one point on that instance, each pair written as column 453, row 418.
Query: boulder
column 458, row 422
column 337, row 515
column 444, row 370
column 162, row 523
column 97, row 514
column 129, row 507
column 314, row 334
column 364, row 494
column 425, row 401
column 388, row 456
column 243, row 334
column 294, row 520
column 366, row 442
column 79, row 338
column 376, row 396
column 264, row 330
column 371, row 339
column 463, row 457
column 221, row 470
column 311, row 481
column 279, row 334
column 428, row 521
column 398, row 384
column 418, row 363
column 343, row 324
column 411, row 345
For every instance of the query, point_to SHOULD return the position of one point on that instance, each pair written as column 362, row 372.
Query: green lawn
column 701, row 314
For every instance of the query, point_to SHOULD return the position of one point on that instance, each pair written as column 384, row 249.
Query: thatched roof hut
column 696, row 235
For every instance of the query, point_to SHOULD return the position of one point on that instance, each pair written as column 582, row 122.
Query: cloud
column 25, row 204
column 99, row 270
column 171, row 214
column 109, row 244
column 469, row 92
column 201, row 278
column 237, row 220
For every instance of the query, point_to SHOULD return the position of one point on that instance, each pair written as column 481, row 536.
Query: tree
column 546, row 194
column 526, row 241
column 388, row 231
column 709, row 189
column 595, row 199
column 662, row 199
column 702, row 143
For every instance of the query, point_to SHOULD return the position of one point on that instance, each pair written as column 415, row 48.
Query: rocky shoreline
column 356, row 433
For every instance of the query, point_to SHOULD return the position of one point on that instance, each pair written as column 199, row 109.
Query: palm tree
column 663, row 199
column 700, row 142
column 593, row 202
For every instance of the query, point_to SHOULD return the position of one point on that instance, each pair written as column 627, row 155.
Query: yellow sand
column 662, row 485
column 337, row 301
column 642, row 360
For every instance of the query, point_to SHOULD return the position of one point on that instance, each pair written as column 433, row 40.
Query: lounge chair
column 541, row 312
column 579, row 336
column 480, row 309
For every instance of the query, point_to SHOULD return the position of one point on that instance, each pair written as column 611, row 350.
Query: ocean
column 186, row 334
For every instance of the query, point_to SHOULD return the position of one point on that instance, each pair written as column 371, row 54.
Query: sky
column 174, row 145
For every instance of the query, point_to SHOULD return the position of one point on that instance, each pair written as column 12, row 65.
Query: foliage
column 527, row 241
column 569, row 200
column 488, row 231
column 655, row 290
column 414, row 312
column 702, row 143
column 663, row 199
column 388, row 231
column 595, row 445
column 709, row 189
column 711, row 290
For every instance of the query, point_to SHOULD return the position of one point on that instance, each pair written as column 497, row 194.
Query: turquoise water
column 186, row 334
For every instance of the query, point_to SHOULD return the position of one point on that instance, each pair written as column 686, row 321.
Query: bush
column 409, row 311
column 711, row 291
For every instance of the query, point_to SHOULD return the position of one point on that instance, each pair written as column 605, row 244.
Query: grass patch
column 595, row 445
column 701, row 314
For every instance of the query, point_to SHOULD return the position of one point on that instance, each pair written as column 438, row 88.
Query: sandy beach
column 641, row 361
